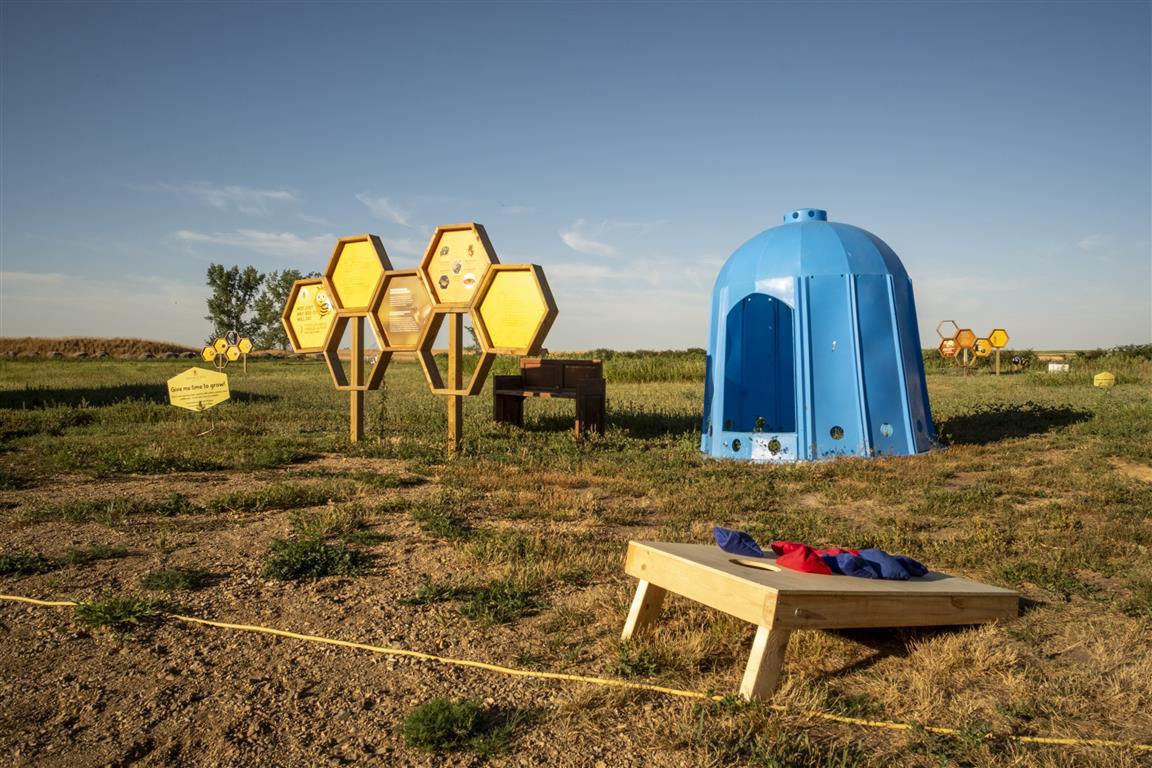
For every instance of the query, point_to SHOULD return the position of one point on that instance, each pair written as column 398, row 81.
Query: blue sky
column 1004, row 150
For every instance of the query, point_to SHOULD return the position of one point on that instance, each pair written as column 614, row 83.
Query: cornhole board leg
column 762, row 675
column 645, row 609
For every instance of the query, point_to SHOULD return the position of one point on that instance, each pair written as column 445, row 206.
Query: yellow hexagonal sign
column 998, row 338
column 427, row 356
column 965, row 338
column 232, row 353
column 198, row 389
column 982, row 348
column 402, row 308
column 514, row 309
column 354, row 272
column 947, row 329
column 308, row 315
column 455, row 263
column 221, row 346
column 208, row 354
column 245, row 345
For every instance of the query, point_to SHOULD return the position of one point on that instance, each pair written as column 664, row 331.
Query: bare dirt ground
column 194, row 695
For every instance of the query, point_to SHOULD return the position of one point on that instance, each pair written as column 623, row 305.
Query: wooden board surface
column 709, row 575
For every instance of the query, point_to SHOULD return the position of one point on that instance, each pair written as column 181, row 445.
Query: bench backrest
column 549, row 373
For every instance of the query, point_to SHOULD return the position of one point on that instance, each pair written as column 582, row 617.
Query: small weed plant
column 122, row 614
column 25, row 564
column 310, row 559
column 93, row 554
column 171, row 579
column 442, row 725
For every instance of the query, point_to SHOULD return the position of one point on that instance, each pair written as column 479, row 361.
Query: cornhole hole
column 777, row 600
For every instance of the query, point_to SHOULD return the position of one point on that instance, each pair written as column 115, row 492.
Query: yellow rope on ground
column 609, row 682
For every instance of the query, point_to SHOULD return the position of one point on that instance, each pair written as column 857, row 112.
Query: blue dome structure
column 814, row 350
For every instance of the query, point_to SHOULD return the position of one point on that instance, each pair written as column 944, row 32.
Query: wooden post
column 455, row 381
column 646, row 605
column 356, row 396
column 762, row 674
column 997, row 362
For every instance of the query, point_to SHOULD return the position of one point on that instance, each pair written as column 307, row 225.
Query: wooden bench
column 778, row 600
column 579, row 380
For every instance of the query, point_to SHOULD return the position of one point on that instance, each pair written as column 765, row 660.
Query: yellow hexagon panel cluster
column 511, row 305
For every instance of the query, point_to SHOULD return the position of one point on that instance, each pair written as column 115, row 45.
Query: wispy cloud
column 282, row 244
column 1094, row 243
column 576, row 239
column 383, row 208
column 407, row 247
column 31, row 278
column 247, row 200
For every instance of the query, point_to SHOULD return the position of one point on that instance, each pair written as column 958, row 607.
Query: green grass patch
column 171, row 579
column 311, row 559
column 25, row 564
column 122, row 614
column 330, row 521
column 442, row 523
column 92, row 554
column 276, row 496
column 633, row 661
column 1051, row 579
column 497, row 602
column 443, row 725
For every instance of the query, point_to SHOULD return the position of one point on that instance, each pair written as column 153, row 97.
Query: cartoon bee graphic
column 323, row 303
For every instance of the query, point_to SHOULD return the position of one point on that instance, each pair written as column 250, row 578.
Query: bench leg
column 645, row 608
column 762, row 674
column 589, row 406
column 508, row 409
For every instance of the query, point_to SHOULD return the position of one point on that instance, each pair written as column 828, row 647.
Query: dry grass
column 1045, row 489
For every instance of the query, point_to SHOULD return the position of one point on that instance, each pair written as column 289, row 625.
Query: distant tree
column 269, row 307
column 230, row 305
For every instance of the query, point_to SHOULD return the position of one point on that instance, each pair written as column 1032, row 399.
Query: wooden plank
column 455, row 381
column 356, row 377
column 732, row 594
column 812, row 611
column 646, row 605
column 765, row 663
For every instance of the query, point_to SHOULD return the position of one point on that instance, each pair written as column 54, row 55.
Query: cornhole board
column 778, row 600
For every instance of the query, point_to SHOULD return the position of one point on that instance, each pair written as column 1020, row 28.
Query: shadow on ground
column 991, row 423
column 44, row 397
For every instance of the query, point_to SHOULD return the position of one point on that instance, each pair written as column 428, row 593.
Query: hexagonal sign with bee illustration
column 982, row 348
column 998, row 338
column 308, row 315
column 402, row 307
column 354, row 272
column 514, row 309
column 455, row 263
column 948, row 348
